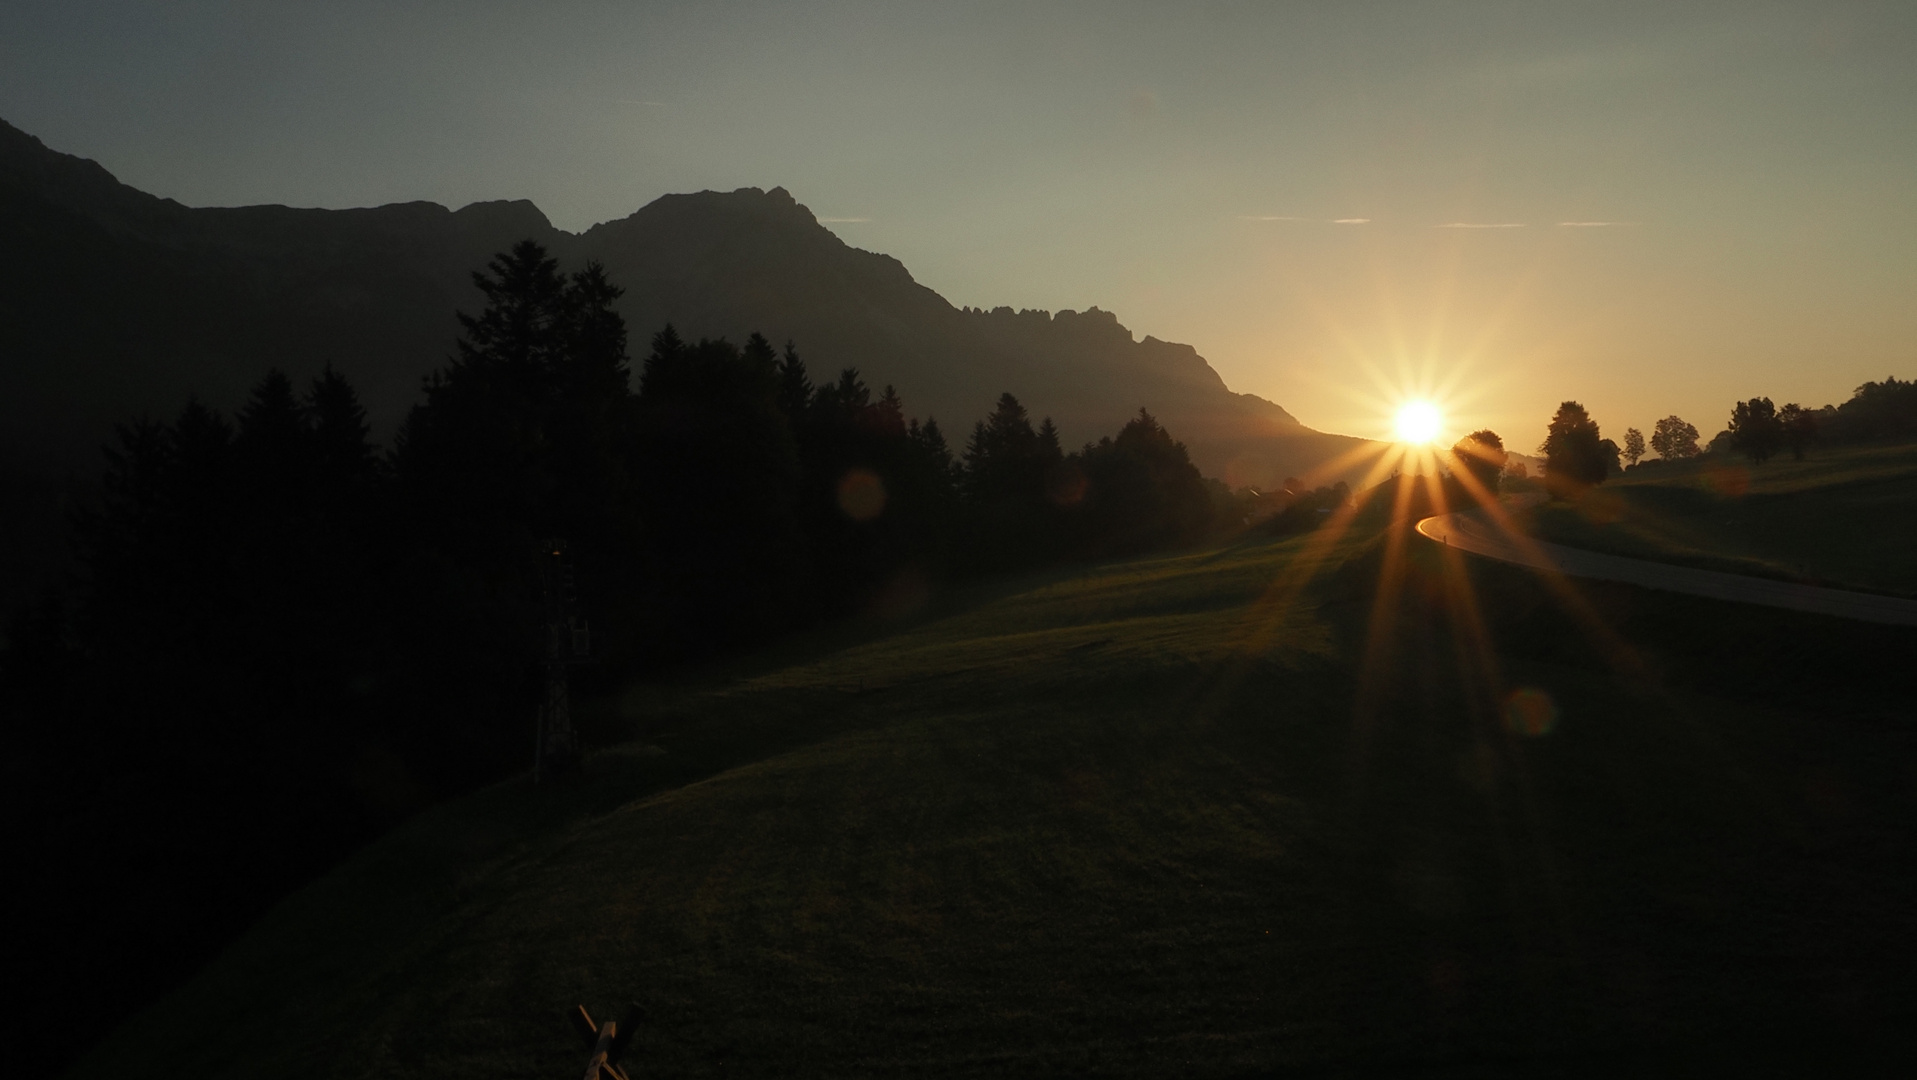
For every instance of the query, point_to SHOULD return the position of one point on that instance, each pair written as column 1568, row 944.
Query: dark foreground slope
column 1171, row 816
column 114, row 302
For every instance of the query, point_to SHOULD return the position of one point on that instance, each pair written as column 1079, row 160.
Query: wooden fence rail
column 608, row 1041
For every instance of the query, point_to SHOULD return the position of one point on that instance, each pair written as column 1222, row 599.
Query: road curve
column 1469, row 531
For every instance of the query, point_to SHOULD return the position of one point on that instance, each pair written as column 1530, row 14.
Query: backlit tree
column 1633, row 445
column 1574, row 454
column 1482, row 454
column 1755, row 431
column 1673, row 439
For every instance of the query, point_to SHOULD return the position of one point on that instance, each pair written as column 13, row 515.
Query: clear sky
column 1668, row 206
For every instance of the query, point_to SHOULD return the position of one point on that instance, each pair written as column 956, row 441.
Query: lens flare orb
column 1417, row 422
column 861, row 495
column 1530, row 711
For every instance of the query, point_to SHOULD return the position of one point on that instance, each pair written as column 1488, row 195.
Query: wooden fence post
column 608, row 1041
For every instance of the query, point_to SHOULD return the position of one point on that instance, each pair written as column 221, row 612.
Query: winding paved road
column 1469, row 531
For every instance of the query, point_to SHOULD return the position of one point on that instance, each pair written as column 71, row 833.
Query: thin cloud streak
column 1351, row 221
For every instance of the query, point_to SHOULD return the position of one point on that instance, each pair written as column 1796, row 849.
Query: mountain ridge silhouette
column 115, row 303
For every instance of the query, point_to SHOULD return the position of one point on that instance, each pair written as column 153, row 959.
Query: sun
column 1417, row 422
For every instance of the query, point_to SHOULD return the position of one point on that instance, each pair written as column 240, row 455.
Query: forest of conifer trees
column 282, row 638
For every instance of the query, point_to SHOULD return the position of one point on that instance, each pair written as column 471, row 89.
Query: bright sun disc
column 1417, row 422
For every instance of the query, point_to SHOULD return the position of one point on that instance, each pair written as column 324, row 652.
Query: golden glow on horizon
column 1417, row 422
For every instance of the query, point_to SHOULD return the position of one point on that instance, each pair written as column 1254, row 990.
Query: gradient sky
column 1275, row 184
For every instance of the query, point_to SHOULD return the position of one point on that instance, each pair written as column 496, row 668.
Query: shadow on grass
column 1147, row 848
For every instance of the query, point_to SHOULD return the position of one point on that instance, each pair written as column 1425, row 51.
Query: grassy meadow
column 1844, row 517
column 1257, row 809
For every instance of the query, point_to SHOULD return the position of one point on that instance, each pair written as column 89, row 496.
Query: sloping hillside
column 1844, row 517
column 1220, row 814
column 114, row 302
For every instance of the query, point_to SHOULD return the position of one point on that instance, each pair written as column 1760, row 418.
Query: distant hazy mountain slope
column 114, row 302
column 720, row 264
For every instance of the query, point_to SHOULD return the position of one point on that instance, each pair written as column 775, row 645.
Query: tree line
column 1577, row 456
column 1759, row 429
column 284, row 638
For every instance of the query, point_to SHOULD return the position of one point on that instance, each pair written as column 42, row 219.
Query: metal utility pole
column 568, row 643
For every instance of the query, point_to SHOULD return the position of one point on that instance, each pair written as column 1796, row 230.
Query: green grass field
column 1843, row 517
column 1217, row 814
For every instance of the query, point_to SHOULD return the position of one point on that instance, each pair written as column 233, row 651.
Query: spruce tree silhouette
column 526, row 433
column 930, row 489
column 1008, row 468
column 718, row 477
column 473, row 445
column 878, row 498
column 343, row 453
column 795, row 387
column 889, row 414
column 519, row 331
column 587, row 433
column 1048, row 445
column 1141, row 492
column 592, row 364
column 271, row 426
column 758, row 352
column 929, row 441
column 1005, row 458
